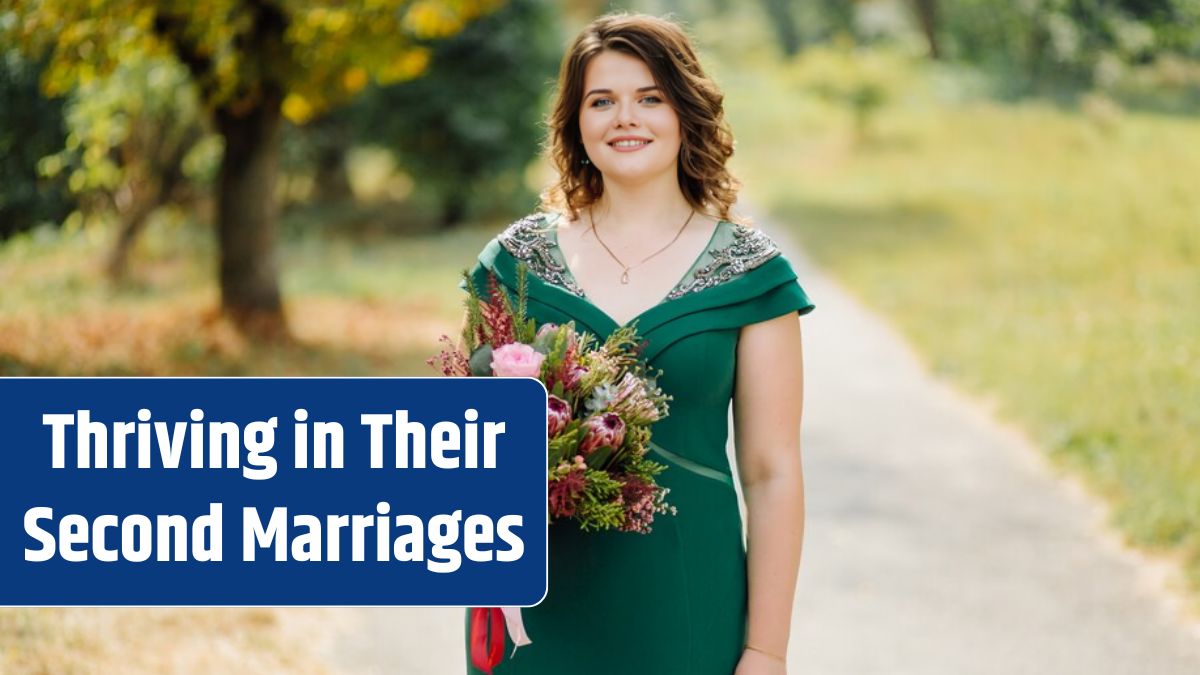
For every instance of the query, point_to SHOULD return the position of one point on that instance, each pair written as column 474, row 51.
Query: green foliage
column 129, row 129
column 1057, row 42
column 525, row 328
column 318, row 53
column 30, row 127
column 597, row 509
column 645, row 469
column 474, row 317
column 480, row 362
column 467, row 129
column 565, row 442
column 252, row 62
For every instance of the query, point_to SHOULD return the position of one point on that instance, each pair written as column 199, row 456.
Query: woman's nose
column 625, row 114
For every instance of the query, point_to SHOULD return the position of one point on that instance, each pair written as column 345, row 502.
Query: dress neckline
column 720, row 272
column 551, row 230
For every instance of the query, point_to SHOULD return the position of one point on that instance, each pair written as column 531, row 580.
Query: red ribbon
column 485, row 621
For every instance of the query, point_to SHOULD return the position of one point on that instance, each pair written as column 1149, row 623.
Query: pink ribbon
column 516, row 628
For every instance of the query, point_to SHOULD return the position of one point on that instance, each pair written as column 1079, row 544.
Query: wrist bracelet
column 763, row 651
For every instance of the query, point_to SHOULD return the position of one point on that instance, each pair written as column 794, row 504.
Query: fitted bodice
column 691, row 335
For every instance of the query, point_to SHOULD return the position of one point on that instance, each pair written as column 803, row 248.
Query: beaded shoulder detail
column 526, row 240
column 750, row 248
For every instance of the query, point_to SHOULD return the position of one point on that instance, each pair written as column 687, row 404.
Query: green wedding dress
column 673, row 600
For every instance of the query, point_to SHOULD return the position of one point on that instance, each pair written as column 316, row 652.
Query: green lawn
column 1045, row 258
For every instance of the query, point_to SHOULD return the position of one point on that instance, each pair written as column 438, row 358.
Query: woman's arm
column 768, row 399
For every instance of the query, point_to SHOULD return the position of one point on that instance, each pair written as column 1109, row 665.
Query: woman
column 638, row 230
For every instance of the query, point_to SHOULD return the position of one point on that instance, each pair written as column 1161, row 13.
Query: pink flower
column 516, row 360
column 565, row 493
column 558, row 415
column 574, row 374
column 638, row 499
column 600, row 431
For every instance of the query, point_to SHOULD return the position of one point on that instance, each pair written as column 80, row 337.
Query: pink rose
column 558, row 415
column 516, row 360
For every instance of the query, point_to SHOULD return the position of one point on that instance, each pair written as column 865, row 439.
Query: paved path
column 937, row 542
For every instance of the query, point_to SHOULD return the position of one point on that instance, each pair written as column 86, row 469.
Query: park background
column 276, row 187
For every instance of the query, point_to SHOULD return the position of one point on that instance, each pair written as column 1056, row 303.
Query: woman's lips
column 632, row 148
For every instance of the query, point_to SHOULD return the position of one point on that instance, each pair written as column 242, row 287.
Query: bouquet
column 601, row 404
column 602, row 401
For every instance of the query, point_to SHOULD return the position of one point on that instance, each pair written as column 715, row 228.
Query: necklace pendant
column 625, row 277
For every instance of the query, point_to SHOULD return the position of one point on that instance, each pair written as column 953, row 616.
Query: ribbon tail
column 516, row 628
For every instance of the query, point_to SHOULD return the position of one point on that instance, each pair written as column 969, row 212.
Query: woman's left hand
column 756, row 663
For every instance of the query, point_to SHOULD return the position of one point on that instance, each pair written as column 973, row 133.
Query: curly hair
column 706, row 141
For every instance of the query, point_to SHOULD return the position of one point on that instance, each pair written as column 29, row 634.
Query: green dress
column 673, row 600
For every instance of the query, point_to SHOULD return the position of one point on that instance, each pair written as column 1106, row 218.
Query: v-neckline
column 553, row 239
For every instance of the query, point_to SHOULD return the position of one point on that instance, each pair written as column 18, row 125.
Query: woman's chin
column 628, row 173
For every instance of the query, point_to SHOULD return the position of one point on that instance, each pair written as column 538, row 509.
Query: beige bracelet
column 763, row 651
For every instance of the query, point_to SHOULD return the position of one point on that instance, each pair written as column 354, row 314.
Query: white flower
column 601, row 397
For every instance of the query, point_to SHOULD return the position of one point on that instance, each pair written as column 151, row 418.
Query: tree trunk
column 454, row 209
column 166, row 176
column 131, row 226
column 247, row 215
column 927, row 15
column 783, row 21
column 249, row 121
column 333, row 180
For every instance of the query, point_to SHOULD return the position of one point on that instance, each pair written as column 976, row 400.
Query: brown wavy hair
column 706, row 141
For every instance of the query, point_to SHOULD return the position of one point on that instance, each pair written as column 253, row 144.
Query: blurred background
column 288, row 187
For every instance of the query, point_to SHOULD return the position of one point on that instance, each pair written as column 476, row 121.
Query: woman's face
column 622, row 101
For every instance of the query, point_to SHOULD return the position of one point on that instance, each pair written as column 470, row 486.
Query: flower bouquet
column 602, row 401
column 601, row 404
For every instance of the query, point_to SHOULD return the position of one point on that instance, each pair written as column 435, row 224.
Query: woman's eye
column 597, row 102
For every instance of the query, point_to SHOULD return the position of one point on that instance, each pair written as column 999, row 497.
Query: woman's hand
column 757, row 663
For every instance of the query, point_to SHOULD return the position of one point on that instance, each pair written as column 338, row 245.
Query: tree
column 253, row 62
column 783, row 22
column 927, row 16
column 128, row 135
column 1066, row 42
column 473, row 116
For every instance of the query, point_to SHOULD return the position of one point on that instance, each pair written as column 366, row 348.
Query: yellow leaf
column 297, row 109
column 407, row 65
column 354, row 79
column 336, row 20
column 430, row 19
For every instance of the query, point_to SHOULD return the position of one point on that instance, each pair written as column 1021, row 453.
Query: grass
column 96, row 641
column 1044, row 257
column 361, row 303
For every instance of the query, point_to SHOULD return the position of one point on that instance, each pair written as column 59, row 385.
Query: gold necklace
column 624, row 267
